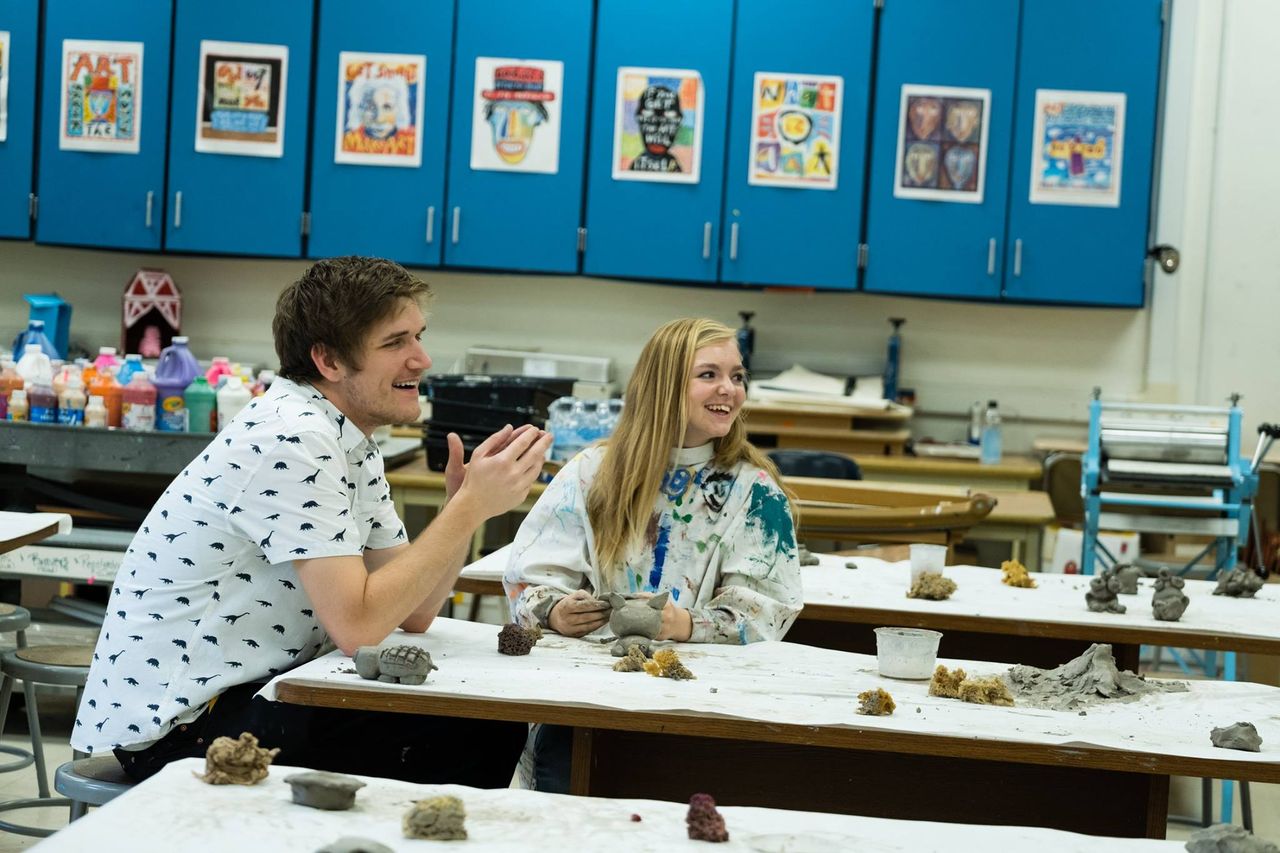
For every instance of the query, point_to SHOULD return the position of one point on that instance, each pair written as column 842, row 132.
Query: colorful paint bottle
column 201, row 404
column 10, row 381
column 232, row 397
column 138, row 404
column 17, row 406
column 107, row 361
column 132, row 364
column 176, row 370
column 42, row 404
column 95, row 414
column 220, row 367
column 71, row 402
column 104, row 385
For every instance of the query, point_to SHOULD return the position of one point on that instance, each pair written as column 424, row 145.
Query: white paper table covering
column 16, row 524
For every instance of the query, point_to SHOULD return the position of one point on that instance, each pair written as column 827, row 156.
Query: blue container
column 33, row 334
column 56, row 314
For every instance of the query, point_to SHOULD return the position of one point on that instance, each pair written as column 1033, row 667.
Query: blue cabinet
column 380, row 129
column 518, row 134
column 1081, row 192
column 660, row 98
column 238, row 126
column 797, row 144
column 102, row 125
column 928, row 234
column 18, row 47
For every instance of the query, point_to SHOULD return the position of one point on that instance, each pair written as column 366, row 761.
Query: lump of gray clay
column 402, row 664
column 318, row 789
column 1103, row 593
column 354, row 844
column 635, row 621
column 1227, row 838
column 1169, row 602
column 851, row 565
column 806, row 557
column 1128, row 574
column 1237, row 736
column 1240, row 582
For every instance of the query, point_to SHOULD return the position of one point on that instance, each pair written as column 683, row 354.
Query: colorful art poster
column 657, row 126
column 942, row 143
column 241, row 99
column 515, row 123
column 101, row 96
column 1077, row 148
column 4, row 85
column 795, row 131
column 380, row 99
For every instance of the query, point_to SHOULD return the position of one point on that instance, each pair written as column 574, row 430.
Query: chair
column 91, row 782
column 815, row 463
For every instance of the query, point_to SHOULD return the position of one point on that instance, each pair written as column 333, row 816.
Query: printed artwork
column 942, row 143
column 1077, row 148
column 380, row 98
column 101, row 96
column 515, row 124
column 240, row 107
column 795, row 131
column 657, row 128
column 4, row 85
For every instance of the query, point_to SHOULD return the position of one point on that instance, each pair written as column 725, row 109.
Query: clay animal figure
column 237, row 761
column 402, row 664
column 1237, row 736
column 318, row 789
column 1227, row 838
column 1240, row 582
column 436, row 819
column 1102, row 594
column 704, row 821
column 1128, row 574
column 354, row 844
column 1169, row 602
column 635, row 621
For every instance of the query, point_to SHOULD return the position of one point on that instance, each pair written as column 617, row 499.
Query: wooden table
column 841, row 429
column 1012, row 473
column 26, row 528
column 774, row 724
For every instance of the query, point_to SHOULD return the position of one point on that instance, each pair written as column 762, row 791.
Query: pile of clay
column 514, row 639
column 931, row 586
column 1016, row 574
column 807, row 558
column 237, row 761
column 320, row 789
column 1240, row 582
column 981, row 690
column 1086, row 680
column 1227, row 838
column 1237, row 736
column 436, row 819
column 876, row 703
column 704, row 821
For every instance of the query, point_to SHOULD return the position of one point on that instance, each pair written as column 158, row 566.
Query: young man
column 282, row 533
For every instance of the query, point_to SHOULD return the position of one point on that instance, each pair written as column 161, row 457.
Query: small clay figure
column 666, row 664
column 876, row 703
column 985, row 690
column 515, row 640
column 354, row 844
column 1128, row 575
column 633, row 662
column 704, row 821
column 932, row 586
column 946, row 683
column 851, row 565
column 1228, row 838
column 1103, row 592
column 806, row 558
column 318, row 789
column 237, row 761
column 436, row 819
column 635, row 621
column 1240, row 582
column 402, row 664
column 1168, row 603
column 1016, row 574
column 1237, row 736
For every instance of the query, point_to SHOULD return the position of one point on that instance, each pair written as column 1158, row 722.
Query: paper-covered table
column 24, row 528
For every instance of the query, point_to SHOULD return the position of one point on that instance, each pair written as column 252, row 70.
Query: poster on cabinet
column 101, row 96
column 515, row 122
column 1077, row 148
column 4, row 85
column 241, row 99
column 795, row 131
column 380, row 100
column 657, row 126
column 942, row 143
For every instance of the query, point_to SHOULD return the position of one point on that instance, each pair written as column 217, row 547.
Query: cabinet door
column 380, row 128
column 102, row 125
column 940, row 147
column 1081, row 192
column 797, row 144
column 658, row 116
column 18, row 45
column 518, row 134
column 238, row 127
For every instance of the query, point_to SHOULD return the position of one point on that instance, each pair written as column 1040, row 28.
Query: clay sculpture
column 807, row 558
column 666, row 664
column 515, row 640
column 876, row 703
column 635, row 621
column 932, row 586
column 1240, row 582
column 394, row 664
column 1090, row 678
column 704, row 821
column 1016, row 574
column 1237, row 736
column 1103, row 592
column 946, row 683
column 1169, row 602
column 237, row 761
column 851, row 565
column 318, row 789
column 1228, row 838
column 436, row 819
column 634, row 661
column 1128, row 575
column 354, row 844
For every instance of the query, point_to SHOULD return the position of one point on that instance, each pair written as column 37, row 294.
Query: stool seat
column 14, row 618
column 57, row 655
column 91, row 781
column 49, row 664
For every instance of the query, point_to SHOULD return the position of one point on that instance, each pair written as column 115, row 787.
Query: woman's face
column 717, row 389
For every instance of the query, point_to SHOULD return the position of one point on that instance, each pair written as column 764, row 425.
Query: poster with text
column 380, row 99
column 515, row 123
column 4, row 85
column 241, row 99
column 1077, row 148
column 795, row 131
column 657, row 125
column 942, row 143
column 101, row 96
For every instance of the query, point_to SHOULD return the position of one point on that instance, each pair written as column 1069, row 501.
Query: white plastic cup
column 907, row 653
column 927, row 558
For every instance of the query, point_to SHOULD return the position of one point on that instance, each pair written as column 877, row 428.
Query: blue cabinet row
column 1001, row 152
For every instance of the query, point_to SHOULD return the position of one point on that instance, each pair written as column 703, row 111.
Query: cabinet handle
column 457, row 224
column 733, row 242
column 151, row 198
column 177, row 209
column 1017, row 257
column 706, row 240
column 431, row 224
column 991, row 256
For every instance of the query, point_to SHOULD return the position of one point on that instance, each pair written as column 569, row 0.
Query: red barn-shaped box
column 152, row 313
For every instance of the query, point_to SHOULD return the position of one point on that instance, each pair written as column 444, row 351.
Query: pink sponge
column 705, row 823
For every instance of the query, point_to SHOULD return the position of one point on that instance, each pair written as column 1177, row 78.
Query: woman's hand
column 677, row 624
column 578, row 614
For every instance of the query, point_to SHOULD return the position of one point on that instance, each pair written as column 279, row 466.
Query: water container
column 567, row 422
column 104, row 385
column 232, row 397
column 138, row 404
column 17, row 406
column 990, row 449
column 106, row 362
column 95, row 413
column 42, row 403
column 220, row 367
column 201, row 404
column 35, row 367
column 34, row 334
column 132, row 364
column 71, row 402
column 176, row 370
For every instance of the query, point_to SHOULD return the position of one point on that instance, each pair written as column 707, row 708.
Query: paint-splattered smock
column 721, row 541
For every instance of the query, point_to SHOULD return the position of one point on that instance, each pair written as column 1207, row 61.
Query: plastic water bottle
column 34, row 334
column 232, row 397
column 893, row 361
column 176, row 370
column 991, row 449
column 566, row 425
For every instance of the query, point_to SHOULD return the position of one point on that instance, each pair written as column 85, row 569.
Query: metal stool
column 13, row 618
column 40, row 665
column 91, row 782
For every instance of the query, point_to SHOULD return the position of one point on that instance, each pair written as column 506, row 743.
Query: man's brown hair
column 335, row 303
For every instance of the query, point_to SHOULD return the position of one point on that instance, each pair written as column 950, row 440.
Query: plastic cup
column 907, row 653
column 927, row 558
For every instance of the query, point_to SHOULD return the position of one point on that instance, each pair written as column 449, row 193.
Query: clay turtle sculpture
column 319, row 789
column 1103, row 592
column 1169, row 602
column 1240, row 582
column 402, row 664
column 1128, row 575
column 635, row 621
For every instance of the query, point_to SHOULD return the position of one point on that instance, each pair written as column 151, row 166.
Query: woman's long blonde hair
column 654, row 420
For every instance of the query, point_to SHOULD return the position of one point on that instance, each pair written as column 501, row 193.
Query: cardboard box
column 1063, row 547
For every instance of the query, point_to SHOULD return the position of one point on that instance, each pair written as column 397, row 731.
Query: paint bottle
column 95, row 414
column 71, row 402
column 104, row 385
column 200, row 401
column 232, row 397
column 132, row 364
column 106, row 362
column 220, row 367
column 176, row 370
column 138, row 404
column 35, row 366
column 42, row 403
column 17, row 406
column 10, row 381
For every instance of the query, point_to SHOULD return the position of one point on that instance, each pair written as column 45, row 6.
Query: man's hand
column 502, row 469
column 454, row 470
column 578, row 614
